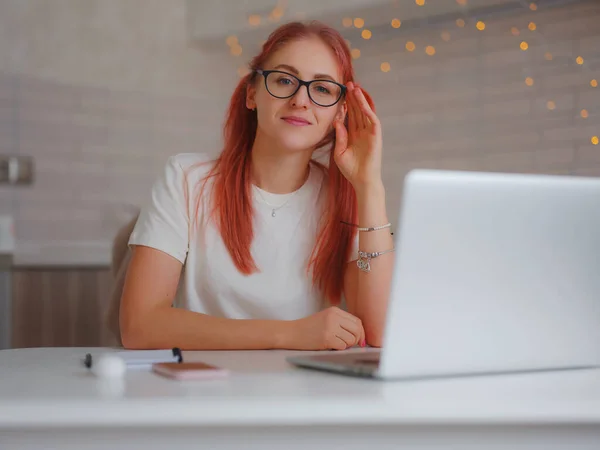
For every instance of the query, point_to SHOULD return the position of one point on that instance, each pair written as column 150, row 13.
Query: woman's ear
column 250, row 96
column 341, row 114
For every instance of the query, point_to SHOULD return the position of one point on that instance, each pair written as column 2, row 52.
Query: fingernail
column 363, row 343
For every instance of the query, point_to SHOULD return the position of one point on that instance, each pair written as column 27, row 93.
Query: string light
column 347, row 22
column 236, row 50
column 254, row 20
column 235, row 47
column 276, row 14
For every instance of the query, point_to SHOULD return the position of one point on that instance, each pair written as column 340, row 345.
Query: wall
column 101, row 92
column 468, row 106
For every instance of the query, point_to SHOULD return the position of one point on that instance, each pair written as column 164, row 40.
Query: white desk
column 49, row 400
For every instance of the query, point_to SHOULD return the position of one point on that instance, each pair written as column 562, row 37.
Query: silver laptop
column 493, row 273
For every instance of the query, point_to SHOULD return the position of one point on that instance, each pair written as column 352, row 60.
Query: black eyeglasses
column 285, row 85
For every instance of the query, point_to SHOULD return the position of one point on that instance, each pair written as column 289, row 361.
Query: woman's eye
column 284, row 80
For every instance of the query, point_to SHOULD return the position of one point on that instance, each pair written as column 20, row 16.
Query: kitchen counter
column 63, row 254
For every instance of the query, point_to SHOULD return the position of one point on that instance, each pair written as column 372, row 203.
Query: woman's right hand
column 330, row 329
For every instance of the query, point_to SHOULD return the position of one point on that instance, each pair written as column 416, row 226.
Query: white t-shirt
column 211, row 283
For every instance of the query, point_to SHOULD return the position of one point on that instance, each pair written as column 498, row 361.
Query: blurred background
column 95, row 95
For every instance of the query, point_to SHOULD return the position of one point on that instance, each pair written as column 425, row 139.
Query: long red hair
column 231, row 201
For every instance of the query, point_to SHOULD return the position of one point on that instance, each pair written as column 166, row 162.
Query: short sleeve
column 163, row 223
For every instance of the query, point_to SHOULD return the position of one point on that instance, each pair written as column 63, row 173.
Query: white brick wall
column 468, row 106
column 95, row 157
column 99, row 139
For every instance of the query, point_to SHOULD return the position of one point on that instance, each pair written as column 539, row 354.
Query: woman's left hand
column 357, row 150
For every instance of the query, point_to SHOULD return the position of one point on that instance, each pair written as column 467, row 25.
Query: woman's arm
column 357, row 153
column 147, row 319
column 367, row 293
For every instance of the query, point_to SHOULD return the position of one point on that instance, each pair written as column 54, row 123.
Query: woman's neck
column 277, row 170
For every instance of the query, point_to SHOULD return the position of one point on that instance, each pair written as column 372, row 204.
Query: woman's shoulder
column 188, row 166
column 188, row 161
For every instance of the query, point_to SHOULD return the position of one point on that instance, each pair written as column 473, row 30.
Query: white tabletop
column 50, row 387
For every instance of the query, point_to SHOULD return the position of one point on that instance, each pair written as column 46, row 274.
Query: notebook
column 138, row 359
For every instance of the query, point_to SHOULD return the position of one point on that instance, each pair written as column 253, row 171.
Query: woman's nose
column 301, row 99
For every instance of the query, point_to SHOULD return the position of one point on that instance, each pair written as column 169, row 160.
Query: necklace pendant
column 273, row 213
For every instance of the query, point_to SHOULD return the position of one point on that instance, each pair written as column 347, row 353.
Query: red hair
column 231, row 204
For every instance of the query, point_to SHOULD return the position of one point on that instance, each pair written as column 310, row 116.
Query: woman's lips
column 296, row 121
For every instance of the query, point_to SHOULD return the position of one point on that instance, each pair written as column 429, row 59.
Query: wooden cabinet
column 60, row 307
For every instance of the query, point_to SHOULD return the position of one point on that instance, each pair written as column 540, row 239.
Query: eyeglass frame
column 265, row 74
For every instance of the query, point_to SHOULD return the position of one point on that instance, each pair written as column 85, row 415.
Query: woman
column 266, row 238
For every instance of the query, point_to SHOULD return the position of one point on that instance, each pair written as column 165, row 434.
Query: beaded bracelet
column 381, row 227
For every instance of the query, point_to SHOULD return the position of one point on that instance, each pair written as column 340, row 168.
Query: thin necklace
column 275, row 207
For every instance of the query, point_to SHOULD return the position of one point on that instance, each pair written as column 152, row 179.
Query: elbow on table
column 132, row 341
column 132, row 337
column 374, row 338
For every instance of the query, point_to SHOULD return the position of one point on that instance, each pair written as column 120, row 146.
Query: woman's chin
column 297, row 143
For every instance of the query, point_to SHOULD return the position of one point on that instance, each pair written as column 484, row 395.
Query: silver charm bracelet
column 364, row 259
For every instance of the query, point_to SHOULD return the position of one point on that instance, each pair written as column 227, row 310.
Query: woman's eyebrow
column 318, row 76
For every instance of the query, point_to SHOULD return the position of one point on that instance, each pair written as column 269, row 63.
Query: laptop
column 493, row 273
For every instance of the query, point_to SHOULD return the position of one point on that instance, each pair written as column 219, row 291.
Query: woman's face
column 297, row 123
